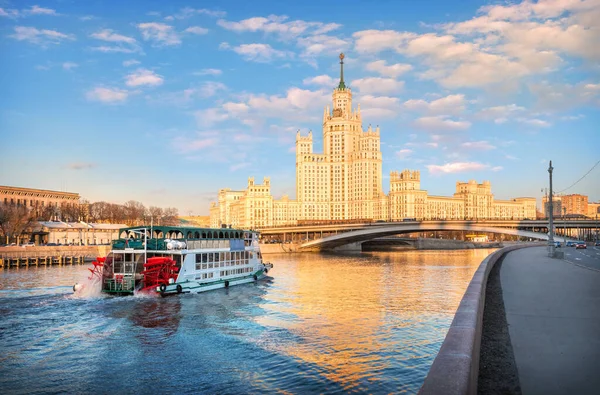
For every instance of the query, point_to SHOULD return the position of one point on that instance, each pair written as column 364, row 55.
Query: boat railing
column 119, row 284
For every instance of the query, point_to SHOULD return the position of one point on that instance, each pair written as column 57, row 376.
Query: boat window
column 210, row 265
column 204, row 266
column 220, row 235
column 217, row 256
column 228, row 256
column 198, row 258
column 204, row 235
column 251, row 254
column 197, row 235
column 189, row 235
column 211, row 257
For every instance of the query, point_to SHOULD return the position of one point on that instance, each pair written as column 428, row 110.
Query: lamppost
column 565, row 225
column 551, row 216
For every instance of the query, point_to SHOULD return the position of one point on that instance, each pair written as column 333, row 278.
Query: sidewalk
column 553, row 314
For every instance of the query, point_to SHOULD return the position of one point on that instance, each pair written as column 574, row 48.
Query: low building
column 75, row 233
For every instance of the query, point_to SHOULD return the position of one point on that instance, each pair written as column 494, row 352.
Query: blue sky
column 167, row 102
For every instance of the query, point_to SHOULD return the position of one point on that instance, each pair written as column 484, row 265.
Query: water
column 365, row 323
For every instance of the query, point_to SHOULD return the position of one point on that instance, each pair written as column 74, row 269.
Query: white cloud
column 239, row 166
column 143, row 77
column 261, row 53
column 392, row 71
column 69, row 65
column 562, row 97
column 378, row 85
column 214, row 72
column 456, row 167
column 107, row 95
column 449, row 105
column 316, row 45
column 191, row 145
column 499, row 114
column 110, row 36
column 377, row 107
column 210, row 116
column 159, row 33
column 40, row 37
column 9, row 13
column 211, row 88
column 375, row 41
column 535, row 122
column 324, row 80
column 277, row 25
column 404, row 153
column 440, row 124
column 116, row 49
column 130, row 62
column 80, row 165
column 497, row 168
column 189, row 12
column 478, row 145
column 196, row 30
column 35, row 10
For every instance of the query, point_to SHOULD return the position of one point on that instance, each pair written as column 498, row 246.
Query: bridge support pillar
column 350, row 247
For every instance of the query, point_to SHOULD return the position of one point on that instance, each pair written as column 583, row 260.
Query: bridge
column 335, row 235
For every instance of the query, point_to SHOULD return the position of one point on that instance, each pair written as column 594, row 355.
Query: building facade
column 344, row 183
column 40, row 200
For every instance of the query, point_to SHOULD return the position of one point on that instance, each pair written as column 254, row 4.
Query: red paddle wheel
column 158, row 271
column 97, row 269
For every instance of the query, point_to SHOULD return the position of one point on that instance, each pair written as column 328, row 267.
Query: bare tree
column 134, row 212
column 170, row 216
column 14, row 220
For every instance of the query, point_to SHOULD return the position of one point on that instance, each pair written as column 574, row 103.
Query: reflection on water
column 367, row 323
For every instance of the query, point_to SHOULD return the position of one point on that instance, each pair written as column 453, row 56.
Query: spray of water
column 88, row 288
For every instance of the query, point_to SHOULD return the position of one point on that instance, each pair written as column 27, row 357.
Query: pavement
column 553, row 314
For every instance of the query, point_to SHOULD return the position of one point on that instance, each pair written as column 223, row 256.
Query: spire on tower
column 342, row 85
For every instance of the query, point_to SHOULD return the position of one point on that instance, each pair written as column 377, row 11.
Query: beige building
column 38, row 199
column 344, row 183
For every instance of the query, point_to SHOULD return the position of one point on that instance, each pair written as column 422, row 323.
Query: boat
column 169, row 260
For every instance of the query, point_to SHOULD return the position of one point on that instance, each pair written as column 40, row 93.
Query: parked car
column 571, row 243
column 28, row 244
column 581, row 246
column 597, row 244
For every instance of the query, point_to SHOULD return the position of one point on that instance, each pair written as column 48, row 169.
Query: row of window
column 236, row 271
column 208, row 257
column 204, row 266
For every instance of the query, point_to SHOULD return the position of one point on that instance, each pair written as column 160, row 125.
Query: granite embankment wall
column 419, row 244
column 456, row 367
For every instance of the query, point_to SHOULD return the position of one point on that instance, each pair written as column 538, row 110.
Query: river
column 322, row 323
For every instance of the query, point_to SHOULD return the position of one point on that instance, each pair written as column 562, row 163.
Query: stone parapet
column 456, row 367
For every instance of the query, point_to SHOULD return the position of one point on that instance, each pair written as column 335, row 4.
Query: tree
column 14, row 220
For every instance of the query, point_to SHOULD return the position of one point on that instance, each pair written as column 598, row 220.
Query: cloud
column 196, row 30
column 35, row 10
column 239, row 166
column 324, row 80
column 449, row 105
column 497, row 168
column 261, row 53
column 69, row 65
column 456, row 167
column 115, row 49
column 189, row 12
column 159, row 33
column 392, row 71
column 440, row 124
column 40, row 37
column 130, row 62
column 377, row 85
column 535, row 122
column 107, row 95
column 277, row 25
column 210, row 88
column 315, row 45
column 143, row 77
column 80, row 165
column 377, row 107
column 499, row 114
column 108, row 35
column 214, row 72
column 563, row 97
column 478, row 145
column 185, row 146
column 210, row 116
column 404, row 153
column 375, row 41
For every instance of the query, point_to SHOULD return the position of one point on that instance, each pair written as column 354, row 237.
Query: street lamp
column 551, row 218
column 565, row 225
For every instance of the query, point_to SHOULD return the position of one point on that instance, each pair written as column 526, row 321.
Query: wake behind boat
column 173, row 260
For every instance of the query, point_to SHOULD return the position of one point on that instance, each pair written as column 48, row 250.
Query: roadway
column 590, row 257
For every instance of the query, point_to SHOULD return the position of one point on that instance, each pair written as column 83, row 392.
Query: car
column 557, row 244
column 571, row 243
column 597, row 244
column 580, row 246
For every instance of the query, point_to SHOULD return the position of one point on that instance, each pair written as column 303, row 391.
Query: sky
column 168, row 102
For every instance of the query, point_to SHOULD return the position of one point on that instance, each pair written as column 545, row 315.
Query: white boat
column 169, row 260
